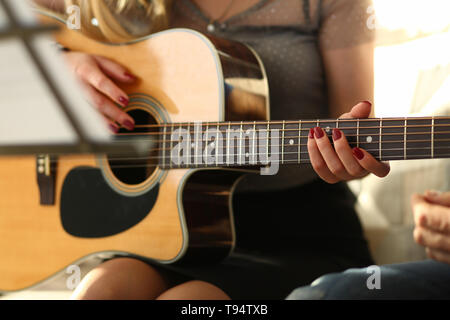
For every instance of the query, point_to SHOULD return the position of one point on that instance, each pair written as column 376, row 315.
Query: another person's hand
column 341, row 162
column 432, row 220
column 97, row 74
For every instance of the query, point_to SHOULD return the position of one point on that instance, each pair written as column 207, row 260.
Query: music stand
column 80, row 128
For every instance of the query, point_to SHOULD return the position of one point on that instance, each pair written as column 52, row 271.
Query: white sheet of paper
column 29, row 113
column 3, row 18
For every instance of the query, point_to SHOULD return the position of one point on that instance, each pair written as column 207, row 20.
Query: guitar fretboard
column 222, row 144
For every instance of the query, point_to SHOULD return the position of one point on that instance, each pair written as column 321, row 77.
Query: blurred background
column 412, row 77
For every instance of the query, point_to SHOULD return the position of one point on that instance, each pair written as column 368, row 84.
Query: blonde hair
column 121, row 20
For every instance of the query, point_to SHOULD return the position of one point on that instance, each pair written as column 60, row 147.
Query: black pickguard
column 90, row 208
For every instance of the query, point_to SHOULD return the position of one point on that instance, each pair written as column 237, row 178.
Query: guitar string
column 245, row 164
column 236, row 164
column 305, row 144
column 238, row 126
column 255, row 155
column 235, row 148
column 225, row 155
column 161, row 150
column 296, row 144
column 312, row 121
column 192, row 133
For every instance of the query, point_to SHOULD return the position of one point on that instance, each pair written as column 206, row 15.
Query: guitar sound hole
column 133, row 169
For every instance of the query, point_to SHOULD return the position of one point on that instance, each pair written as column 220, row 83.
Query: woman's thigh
column 122, row 278
column 194, row 290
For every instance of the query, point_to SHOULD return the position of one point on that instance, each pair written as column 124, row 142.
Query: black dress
column 284, row 242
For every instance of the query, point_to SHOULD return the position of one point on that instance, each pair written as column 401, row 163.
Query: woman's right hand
column 97, row 74
column 432, row 220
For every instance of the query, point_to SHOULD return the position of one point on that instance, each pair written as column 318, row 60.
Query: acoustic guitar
column 205, row 102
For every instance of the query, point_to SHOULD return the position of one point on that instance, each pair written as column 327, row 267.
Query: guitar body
column 164, row 215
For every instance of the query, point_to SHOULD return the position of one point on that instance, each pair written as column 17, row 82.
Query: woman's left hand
column 341, row 162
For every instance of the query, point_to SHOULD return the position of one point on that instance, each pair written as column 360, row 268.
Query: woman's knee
column 194, row 290
column 121, row 278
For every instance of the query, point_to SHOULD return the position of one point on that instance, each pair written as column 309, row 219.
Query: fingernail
column 422, row 220
column 336, row 134
column 368, row 102
column 113, row 128
column 128, row 124
column 433, row 193
column 311, row 133
column 318, row 132
column 358, row 153
column 129, row 75
column 124, row 101
column 418, row 236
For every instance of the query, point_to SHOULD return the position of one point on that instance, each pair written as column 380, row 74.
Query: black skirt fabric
column 286, row 239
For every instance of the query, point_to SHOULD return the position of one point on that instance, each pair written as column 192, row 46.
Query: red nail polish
column 318, row 132
column 358, row 153
column 423, row 221
column 128, row 124
column 368, row 102
column 113, row 128
column 129, row 75
column 336, row 134
column 311, row 133
column 124, row 101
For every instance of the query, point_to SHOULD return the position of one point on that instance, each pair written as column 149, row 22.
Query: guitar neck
column 222, row 144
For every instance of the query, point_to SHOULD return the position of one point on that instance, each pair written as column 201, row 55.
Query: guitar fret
column 291, row 142
column 215, row 145
column 276, row 145
column 349, row 127
column 189, row 145
column 171, row 146
column 282, row 142
column 393, row 139
column 177, row 160
column 299, row 141
column 228, row 144
column 239, row 161
column 357, row 133
column 432, row 138
column 197, row 159
column 380, row 138
column 418, row 139
column 405, row 139
column 267, row 141
column 224, row 145
column 254, row 155
column 259, row 142
column 306, row 127
column 218, row 147
column 248, row 143
column 205, row 152
column 441, row 137
column 164, row 146
column 369, row 136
